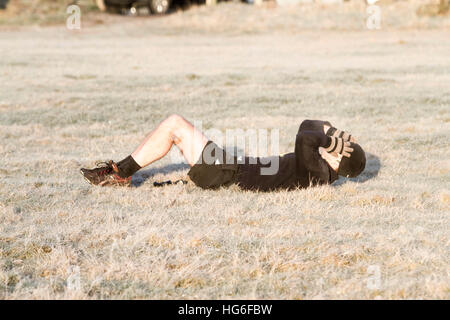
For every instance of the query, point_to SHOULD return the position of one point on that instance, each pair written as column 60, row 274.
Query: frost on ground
column 70, row 99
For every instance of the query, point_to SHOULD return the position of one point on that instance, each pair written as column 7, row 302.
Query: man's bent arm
column 314, row 125
column 307, row 148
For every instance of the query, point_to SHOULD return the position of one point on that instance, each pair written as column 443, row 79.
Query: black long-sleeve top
column 300, row 169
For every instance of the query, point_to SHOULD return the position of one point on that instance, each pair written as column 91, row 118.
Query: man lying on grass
column 322, row 152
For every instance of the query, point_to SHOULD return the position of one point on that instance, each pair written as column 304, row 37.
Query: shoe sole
column 106, row 183
column 88, row 181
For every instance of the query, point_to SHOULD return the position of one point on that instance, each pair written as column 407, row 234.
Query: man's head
column 352, row 166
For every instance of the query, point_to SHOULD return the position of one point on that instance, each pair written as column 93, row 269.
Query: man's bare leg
column 174, row 130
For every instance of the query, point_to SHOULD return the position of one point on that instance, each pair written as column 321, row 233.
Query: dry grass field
column 70, row 98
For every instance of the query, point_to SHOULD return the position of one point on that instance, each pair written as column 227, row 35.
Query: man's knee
column 176, row 125
column 174, row 121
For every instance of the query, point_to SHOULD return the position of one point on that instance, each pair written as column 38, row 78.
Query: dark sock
column 127, row 167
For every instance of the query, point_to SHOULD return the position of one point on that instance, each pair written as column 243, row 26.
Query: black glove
column 334, row 132
column 340, row 146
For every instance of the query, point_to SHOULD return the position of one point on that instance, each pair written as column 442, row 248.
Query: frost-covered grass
column 69, row 99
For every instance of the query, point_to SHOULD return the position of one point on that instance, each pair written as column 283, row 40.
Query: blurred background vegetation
column 48, row 12
column 41, row 12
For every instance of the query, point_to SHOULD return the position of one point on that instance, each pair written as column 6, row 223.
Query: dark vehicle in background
column 3, row 4
column 155, row 6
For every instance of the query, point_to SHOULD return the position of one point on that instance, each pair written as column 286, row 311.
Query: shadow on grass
column 144, row 175
column 373, row 166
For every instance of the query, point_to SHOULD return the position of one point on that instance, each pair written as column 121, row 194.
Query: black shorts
column 214, row 169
